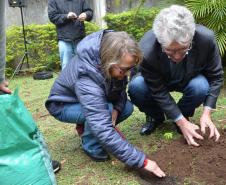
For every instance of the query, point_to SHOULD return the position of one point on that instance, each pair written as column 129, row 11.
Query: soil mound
column 192, row 165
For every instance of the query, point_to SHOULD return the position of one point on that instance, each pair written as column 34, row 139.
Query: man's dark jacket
column 203, row 59
column 67, row 29
column 83, row 81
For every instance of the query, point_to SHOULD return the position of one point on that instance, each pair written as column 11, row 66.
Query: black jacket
column 67, row 29
column 203, row 59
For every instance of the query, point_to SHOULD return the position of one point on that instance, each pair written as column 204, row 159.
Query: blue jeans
column 194, row 94
column 67, row 51
column 73, row 113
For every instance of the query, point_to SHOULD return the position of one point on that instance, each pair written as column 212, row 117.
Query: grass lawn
column 64, row 144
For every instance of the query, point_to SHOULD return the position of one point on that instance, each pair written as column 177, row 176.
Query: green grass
column 64, row 144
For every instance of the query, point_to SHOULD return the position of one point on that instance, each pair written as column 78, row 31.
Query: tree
column 211, row 13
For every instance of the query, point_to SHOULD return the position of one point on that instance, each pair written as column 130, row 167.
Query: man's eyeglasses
column 183, row 51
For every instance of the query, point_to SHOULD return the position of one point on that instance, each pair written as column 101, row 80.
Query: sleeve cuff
column 145, row 163
column 208, row 107
column 178, row 118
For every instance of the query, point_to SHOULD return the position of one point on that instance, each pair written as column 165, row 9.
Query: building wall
column 117, row 6
column 34, row 13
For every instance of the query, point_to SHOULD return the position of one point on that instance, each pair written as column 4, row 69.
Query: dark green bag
column 24, row 158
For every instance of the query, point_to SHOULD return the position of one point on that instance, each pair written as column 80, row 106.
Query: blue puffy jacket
column 82, row 81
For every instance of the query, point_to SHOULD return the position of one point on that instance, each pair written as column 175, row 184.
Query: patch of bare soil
column 194, row 165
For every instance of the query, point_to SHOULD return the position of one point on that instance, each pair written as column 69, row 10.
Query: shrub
column 42, row 47
column 91, row 27
column 134, row 22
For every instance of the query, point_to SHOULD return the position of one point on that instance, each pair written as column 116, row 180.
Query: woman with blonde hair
column 91, row 92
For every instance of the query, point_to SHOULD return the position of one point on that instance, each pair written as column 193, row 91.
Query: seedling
column 168, row 135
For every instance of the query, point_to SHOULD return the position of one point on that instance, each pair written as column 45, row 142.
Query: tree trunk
column 2, row 40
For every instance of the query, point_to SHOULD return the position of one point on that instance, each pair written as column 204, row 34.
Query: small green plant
column 213, row 15
column 168, row 135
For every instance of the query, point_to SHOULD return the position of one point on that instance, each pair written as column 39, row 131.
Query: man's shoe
column 56, row 166
column 149, row 126
column 100, row 157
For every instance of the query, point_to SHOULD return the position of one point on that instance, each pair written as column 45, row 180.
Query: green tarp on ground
column 24, row 158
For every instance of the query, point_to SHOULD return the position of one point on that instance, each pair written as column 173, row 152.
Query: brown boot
column 80, row 129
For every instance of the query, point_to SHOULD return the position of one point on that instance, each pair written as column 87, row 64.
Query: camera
column 17, row 3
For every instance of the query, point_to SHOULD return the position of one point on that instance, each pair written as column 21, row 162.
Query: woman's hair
column 175, row 23
column 113, row 46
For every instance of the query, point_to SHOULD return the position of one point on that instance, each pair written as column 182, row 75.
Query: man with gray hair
column 3, row 83
column 178, row 56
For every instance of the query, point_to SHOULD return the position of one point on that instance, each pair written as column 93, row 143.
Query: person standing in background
column 69, row 17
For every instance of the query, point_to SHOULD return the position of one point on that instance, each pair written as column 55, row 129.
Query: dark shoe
column 149, row 126
column 101, row 157
column 56, row 166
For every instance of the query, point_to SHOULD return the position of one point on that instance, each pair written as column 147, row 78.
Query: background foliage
column 42, row 47
column 211, row 13
column 135, row 22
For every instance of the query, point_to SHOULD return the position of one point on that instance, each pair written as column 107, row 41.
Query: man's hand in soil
column 206, row 122
column 114, row 116
column 153, row 167
column 4, row 87
column 189, row 131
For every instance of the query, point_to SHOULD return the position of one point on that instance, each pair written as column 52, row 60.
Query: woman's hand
column 114, row 116
column 153, row 167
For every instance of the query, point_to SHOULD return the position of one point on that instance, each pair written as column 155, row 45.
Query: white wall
column 34, row 13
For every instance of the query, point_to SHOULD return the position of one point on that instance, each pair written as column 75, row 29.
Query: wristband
column 145, row 163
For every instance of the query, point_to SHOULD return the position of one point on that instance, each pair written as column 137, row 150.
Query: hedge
column 42, row 46
column 133, row 21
